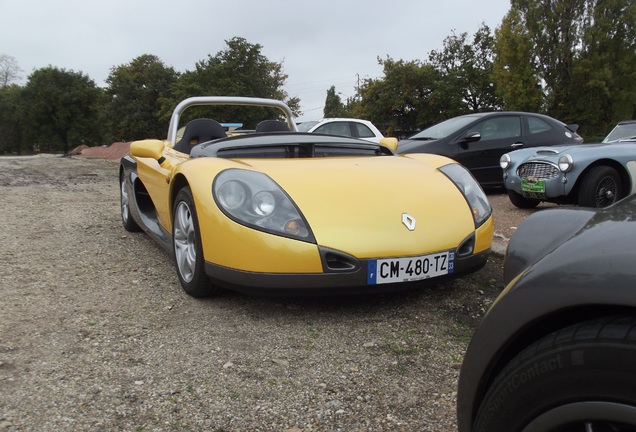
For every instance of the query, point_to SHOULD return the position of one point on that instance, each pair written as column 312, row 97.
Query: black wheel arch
column 536, row 330
column 625, row 178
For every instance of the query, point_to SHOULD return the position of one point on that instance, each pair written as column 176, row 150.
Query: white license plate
column 410, row 269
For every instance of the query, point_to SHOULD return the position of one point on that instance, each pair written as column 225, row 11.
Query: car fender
column 539, row 301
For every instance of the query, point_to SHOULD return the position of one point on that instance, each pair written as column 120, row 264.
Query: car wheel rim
column 124, row 202
column 184, row 242
column 610, row 417
column 606, row 192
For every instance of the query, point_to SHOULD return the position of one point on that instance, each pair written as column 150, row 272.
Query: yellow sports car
column 299, row 213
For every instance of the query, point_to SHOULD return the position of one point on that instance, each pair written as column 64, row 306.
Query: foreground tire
column 581, row 378
column 186, row 242
column 126, row 219
column 521, row 202
column 600, row 187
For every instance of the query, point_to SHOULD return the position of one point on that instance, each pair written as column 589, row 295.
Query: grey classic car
column 589, row 175
column 557, row 349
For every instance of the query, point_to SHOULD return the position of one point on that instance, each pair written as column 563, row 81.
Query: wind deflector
column 288, row 145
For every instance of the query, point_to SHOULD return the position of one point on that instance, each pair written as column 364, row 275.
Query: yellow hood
column 356, row 205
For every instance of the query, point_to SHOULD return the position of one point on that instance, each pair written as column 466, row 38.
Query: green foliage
column 403, row 100
column 134, row 96
column 466, row 71
column 583, row 56
column 514, row 70
column 11, row 113
column 554, row 28
column 603, row 74
column 333, row 105
column 240, row 70
column 60, row 109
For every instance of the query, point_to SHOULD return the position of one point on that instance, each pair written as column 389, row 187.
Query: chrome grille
column 538, row 170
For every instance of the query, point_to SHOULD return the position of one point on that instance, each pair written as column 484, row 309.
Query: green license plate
column 536, row 186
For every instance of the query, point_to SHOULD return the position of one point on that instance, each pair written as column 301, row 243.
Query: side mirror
column 391, row 143
column 468, row 138
column 471, row 137
column 151, row 148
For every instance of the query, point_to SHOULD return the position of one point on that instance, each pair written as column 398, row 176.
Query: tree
column 240, row 70
column 333, row 104
column 60, row 109
column 603, row 84
column 135, row 94
column 466, row 70
column 554, row 28
column 11, row 119
column 10, row 72
column 514, row 72
column 583, row 55
column 404, row 100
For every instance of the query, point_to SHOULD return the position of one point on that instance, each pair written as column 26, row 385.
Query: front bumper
column 554, row 187
column 342, row 282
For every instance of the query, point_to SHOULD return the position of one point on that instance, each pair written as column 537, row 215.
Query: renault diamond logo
column 408, row 221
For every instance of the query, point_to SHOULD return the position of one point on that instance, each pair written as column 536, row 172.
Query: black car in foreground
column 557, row 349
column 478, row 140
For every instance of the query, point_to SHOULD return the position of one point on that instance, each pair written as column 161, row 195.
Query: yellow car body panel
column 346, row 212
column 156, row 178
column 343, row 210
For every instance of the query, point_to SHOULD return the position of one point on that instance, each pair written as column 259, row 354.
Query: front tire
column 522, row 202
column 186, row 242
column 581, row 378
column 600, row 187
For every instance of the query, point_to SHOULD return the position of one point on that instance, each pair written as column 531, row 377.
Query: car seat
column 199, row 131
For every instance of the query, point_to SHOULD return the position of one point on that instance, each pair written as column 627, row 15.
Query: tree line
column 571, row 59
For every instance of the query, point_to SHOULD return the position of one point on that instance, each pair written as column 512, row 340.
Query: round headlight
column 263, row 203
column 232, row 194
column 566, row 163
column 504, row 161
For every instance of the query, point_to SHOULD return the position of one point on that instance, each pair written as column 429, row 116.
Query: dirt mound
column 113, row 152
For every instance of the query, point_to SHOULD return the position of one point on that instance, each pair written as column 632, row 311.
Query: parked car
column 590, row 175
column 350, row 127
column 256, row 212
column 624, row 131
column 478, row 140
column 557, row 349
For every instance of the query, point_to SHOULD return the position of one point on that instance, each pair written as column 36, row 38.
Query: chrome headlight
column 255, row 200
column 566, row 163
column 474, row 194
column 504, row 161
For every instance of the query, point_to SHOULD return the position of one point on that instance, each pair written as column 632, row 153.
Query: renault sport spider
column 278, row 210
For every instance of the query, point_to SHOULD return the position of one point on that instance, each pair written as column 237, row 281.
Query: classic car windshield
column 622, row 131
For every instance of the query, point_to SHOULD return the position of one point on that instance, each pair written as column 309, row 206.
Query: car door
column 499, row 135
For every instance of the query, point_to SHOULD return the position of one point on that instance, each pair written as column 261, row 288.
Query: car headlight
column 504, row 161
column 255, row 200
column 474, row 194
column 566, row 163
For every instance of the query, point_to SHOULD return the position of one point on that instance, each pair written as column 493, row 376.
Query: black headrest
column 199, row 131
column 272, row 126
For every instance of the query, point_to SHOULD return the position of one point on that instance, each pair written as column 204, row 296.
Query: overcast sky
column 319, row 43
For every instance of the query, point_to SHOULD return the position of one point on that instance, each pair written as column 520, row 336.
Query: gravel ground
column 97, row 335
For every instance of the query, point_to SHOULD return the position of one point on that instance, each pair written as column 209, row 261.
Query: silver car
column 588, row 175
